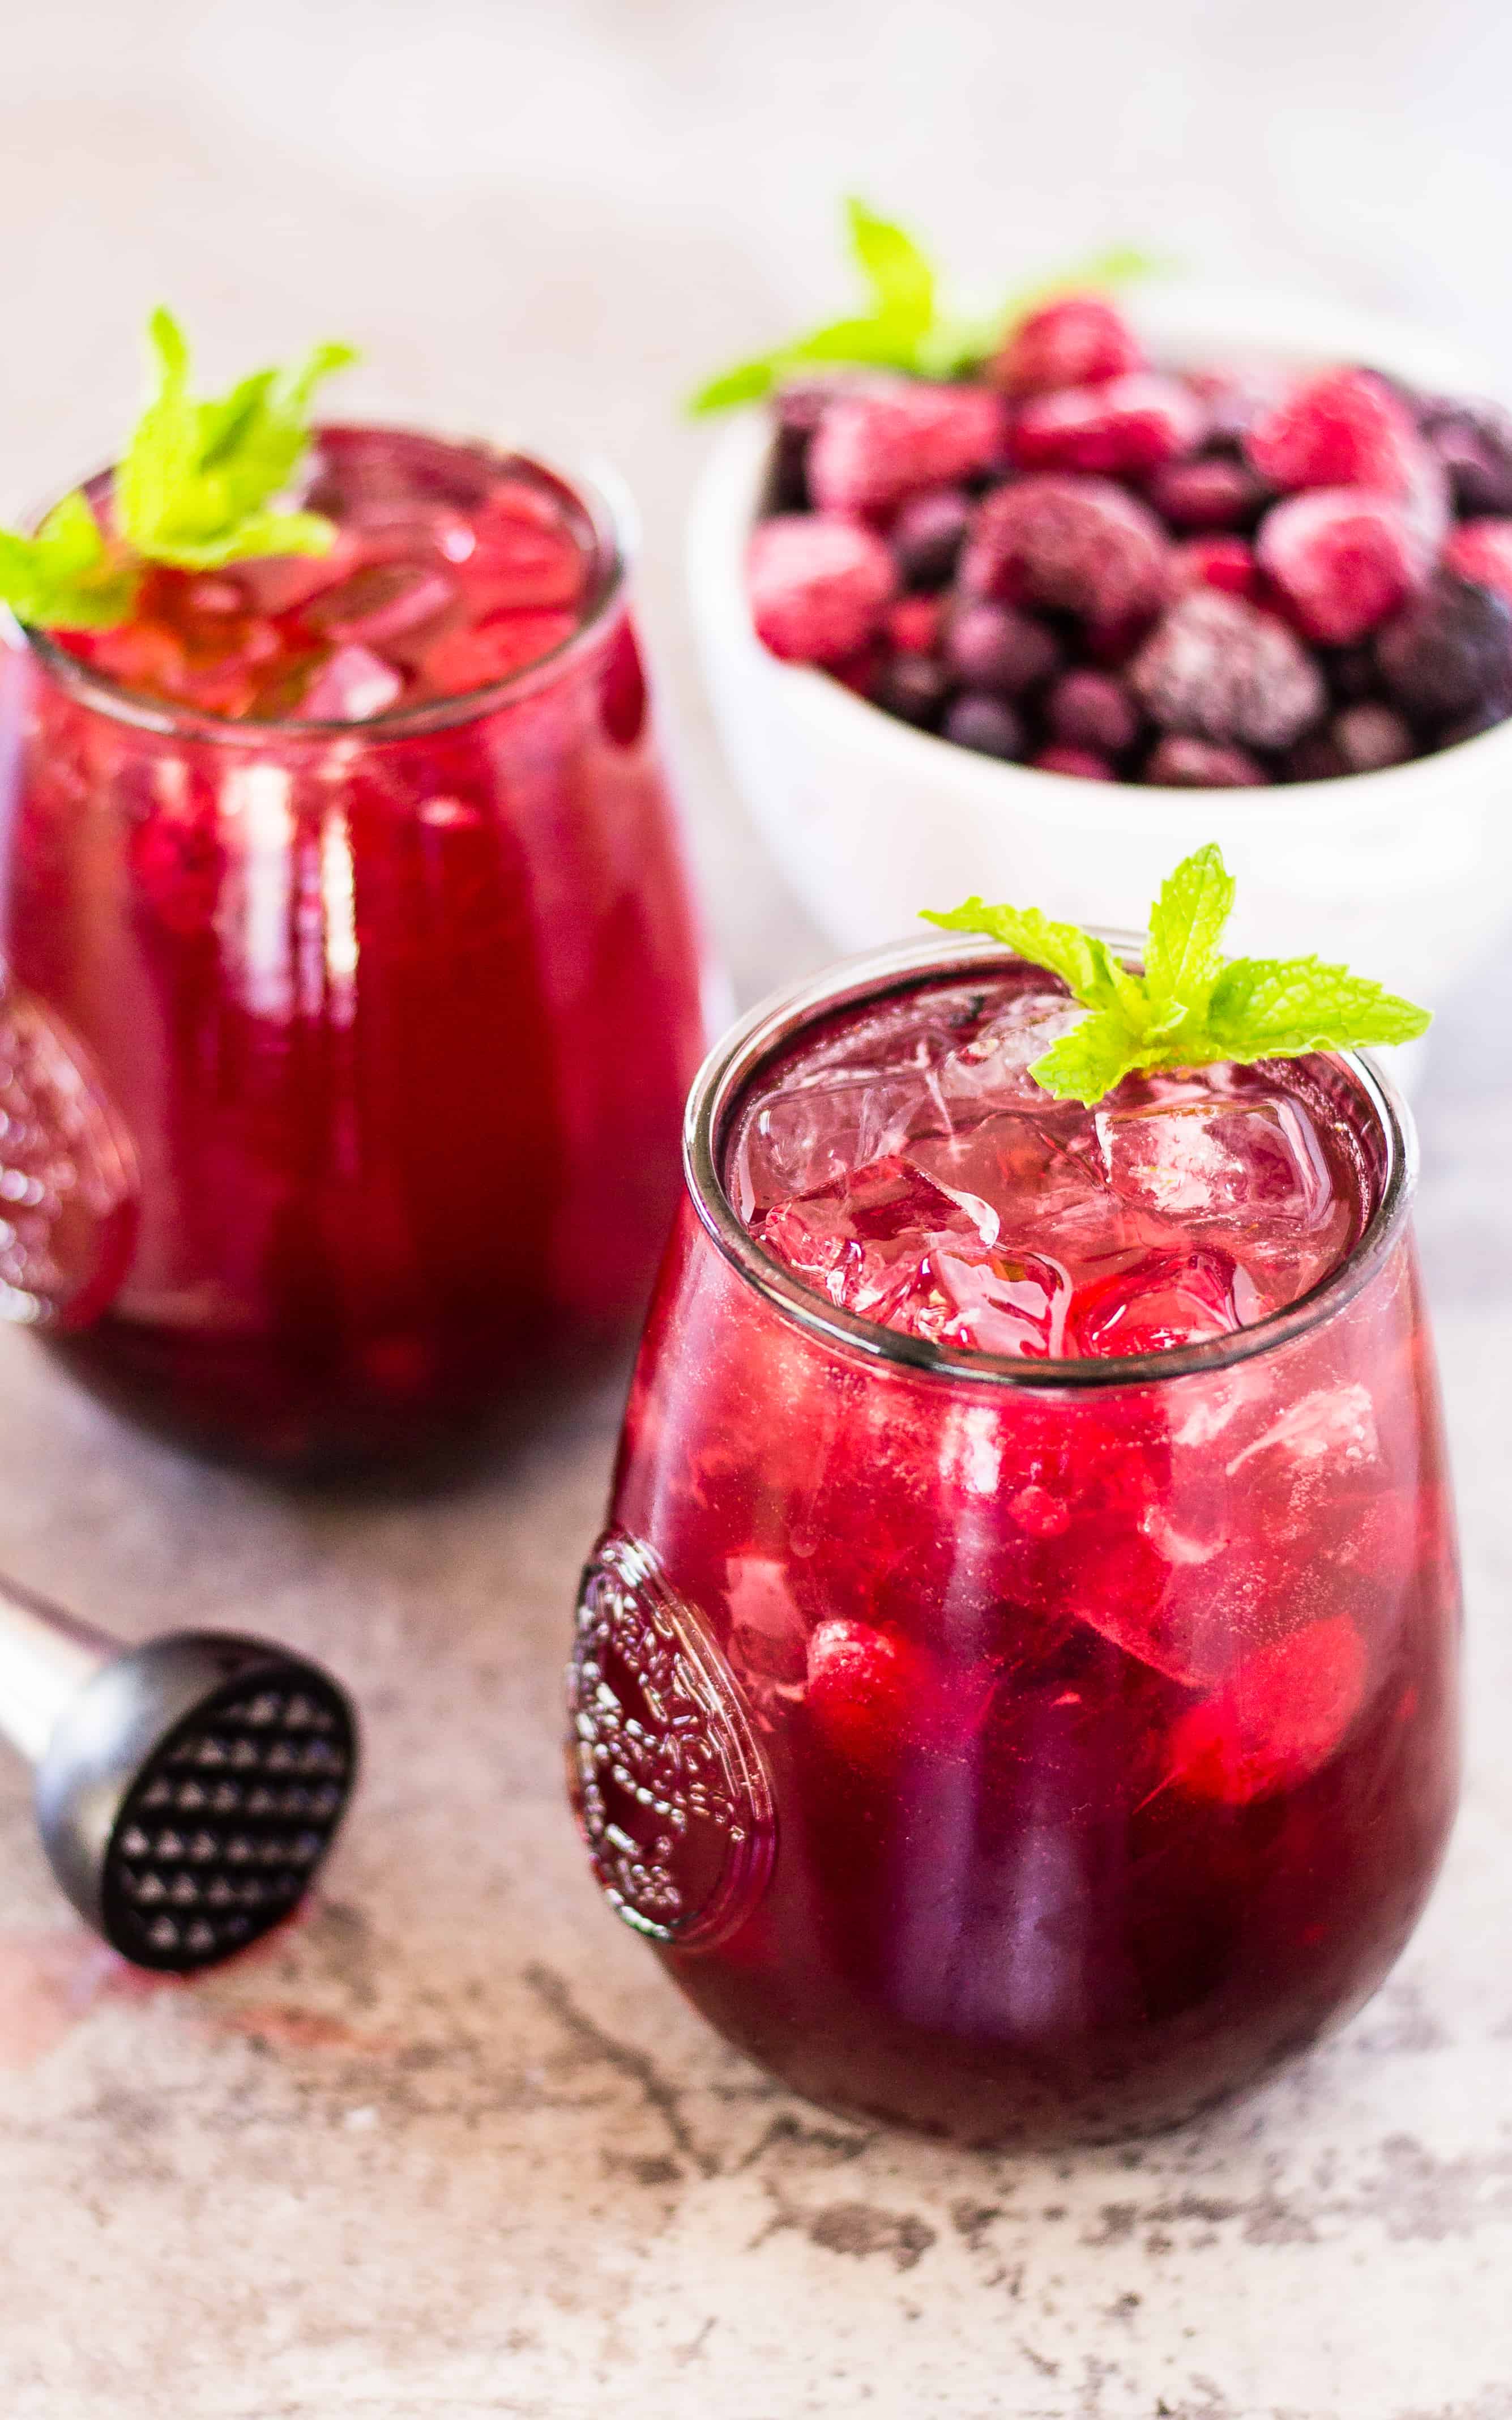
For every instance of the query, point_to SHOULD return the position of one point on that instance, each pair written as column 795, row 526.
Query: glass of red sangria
column 345, row 948
column 1015, row 1690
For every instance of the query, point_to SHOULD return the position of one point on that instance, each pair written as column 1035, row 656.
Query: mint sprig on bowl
column 196, row 487
column 1190, row 1007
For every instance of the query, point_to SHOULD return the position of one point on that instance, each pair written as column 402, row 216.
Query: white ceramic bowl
column 1406, row 874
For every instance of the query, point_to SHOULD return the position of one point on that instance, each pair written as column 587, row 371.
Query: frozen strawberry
column 1085, row 763
column 1077, row 543
column 1092, row 710
column 818, row 586
column 1481, row 551
column 914, row 625
column 1450, row 652
column 1226, row 563
column 1343, row 559
column 1280, row 1715
column 925, row 536
column 1217, row 668
column 988, row 725
column 1347, row 428
column 1126, row 425
column 992, row 648
column 1216, row 493
column 1069, row 342
column 1177, row 763
column 878, row 443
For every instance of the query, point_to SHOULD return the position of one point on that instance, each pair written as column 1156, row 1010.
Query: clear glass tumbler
column 1138, row 1758
column 341, row 1066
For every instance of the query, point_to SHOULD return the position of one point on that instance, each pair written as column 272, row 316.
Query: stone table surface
column 453, row 2146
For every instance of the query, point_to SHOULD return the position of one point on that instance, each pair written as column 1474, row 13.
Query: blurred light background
column 556, row 214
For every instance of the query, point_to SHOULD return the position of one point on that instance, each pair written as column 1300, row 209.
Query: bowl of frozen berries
column 1183, row 566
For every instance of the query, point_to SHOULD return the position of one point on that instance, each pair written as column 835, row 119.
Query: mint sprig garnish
column 194, row 488
column 1190, row 1007
column 905, row 325
column 65, row 577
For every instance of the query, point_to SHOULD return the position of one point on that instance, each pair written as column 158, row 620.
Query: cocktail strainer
column 188, row 1789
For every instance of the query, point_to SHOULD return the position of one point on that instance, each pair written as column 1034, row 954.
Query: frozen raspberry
column 1369, row 737
column 1449, row 652
column 1067, row 342
column 1217, row 668
column 925, row 536
column 992, row 648
column 1226, row 563
column 1130, row 423
column 1084, row 763
column 1080, row 544
column 1180, row 764
column 914, row 688
column 988, row 725
column 1280, row 1714
column 913, row 624
column 1216, row 493
column 818, row 586
column 1092, row 710
column 1481, row 551
column 1342, row 559
column 1474, row 442
column 871, row 1694
column 1344, row 429
column 878, row 443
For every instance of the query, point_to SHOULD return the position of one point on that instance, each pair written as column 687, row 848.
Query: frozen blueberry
column 796, row 411
column 1316, row 758
column 1092, row 710
column 996, row 648
column 1370, row 736
column 914, row 688
column 1449, row 651
column 986, row 724
column 1481, row 718
column 925, row 536
column 1213, row 493
column 1474, row 442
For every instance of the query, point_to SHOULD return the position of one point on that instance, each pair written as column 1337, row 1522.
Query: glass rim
column 875, row 974
column 611, row 514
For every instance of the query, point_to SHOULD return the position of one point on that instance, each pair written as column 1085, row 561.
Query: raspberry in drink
column 348, row 889
column 1015, row 1690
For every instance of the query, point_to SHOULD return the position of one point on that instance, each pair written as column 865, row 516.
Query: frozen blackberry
column 1449, row 652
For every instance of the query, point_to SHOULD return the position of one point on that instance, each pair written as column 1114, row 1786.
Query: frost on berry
column 1218, row 668
column 1347, row 428
column 818, row 587
column 879, row 444
column 1123, row 425
column 1343, row 559
column 1080, row 544
column 1180, row 764
column 1226, row 563
column 1067, row 342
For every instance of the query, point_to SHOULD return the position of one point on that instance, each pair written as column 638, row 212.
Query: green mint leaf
column 901, row 276
column 1182, row 957
column 878, row 342
column 193, row 482
column 65, row 577
column 1278, row 1008
column 1188, row 1008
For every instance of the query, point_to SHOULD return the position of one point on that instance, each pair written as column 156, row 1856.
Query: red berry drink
column 348, row 958
column 1016, row 1688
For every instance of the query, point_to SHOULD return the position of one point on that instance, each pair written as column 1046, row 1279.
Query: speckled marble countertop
column 453, row 2146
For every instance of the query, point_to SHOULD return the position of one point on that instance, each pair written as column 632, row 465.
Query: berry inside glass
column 344, row 917
column 1036, row 1519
